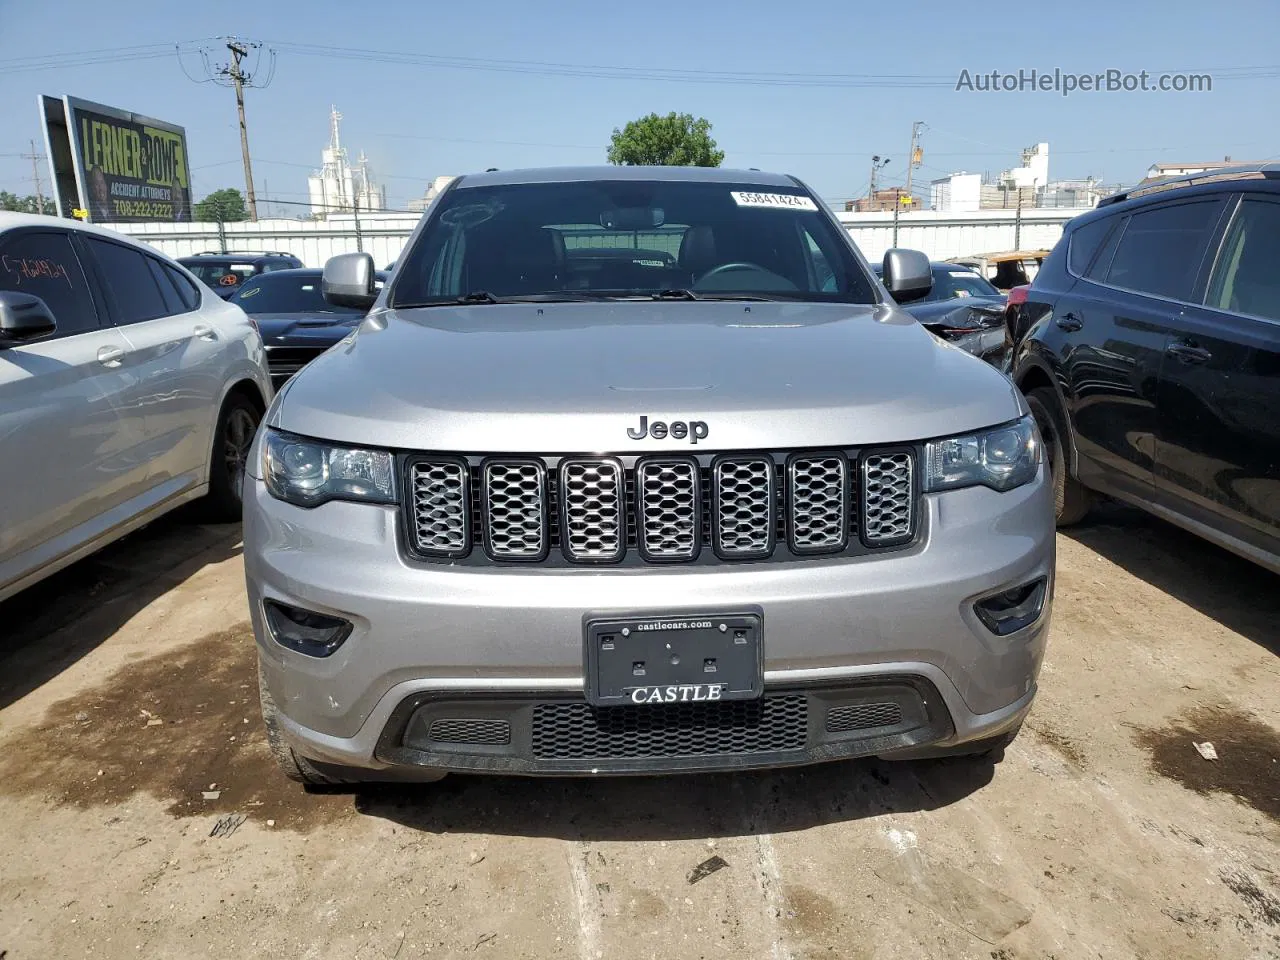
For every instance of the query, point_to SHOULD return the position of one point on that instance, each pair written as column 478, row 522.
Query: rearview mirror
column 23, row 316
column 907, row 274
column 348, row 281
column 633, row 218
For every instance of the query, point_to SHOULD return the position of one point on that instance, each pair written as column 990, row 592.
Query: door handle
column 1188, row 352
column 205, row 332
column 1069, row 321
column 110, row 356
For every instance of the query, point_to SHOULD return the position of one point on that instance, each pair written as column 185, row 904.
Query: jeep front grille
column 668, row 497
column 515, row 510
column 819, row 503
column 593, row 528
column 441, row 507
column 662, row 509
column 888, row 498
column 745, row 498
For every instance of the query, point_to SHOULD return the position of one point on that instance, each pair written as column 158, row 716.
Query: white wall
column 945, row 235
column 312, row 241
column 939, row 234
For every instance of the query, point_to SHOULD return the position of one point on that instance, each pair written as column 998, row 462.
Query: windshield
column 221, row 274
column 632, row 238
column 949, row 284
column 281, row 293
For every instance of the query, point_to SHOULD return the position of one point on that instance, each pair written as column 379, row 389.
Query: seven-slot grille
column 664, row 508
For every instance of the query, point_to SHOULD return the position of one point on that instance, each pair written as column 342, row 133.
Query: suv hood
column 575, row 377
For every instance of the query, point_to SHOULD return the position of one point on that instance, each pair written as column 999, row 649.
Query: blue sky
column 883, row 66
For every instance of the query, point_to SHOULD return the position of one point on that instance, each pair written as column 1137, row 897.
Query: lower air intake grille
column 493, row 732
column 577, row 731
column 863, row 716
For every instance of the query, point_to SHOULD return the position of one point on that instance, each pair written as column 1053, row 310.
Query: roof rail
column 240, row 253
column 1263, row 171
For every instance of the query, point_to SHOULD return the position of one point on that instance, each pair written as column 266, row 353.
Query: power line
column 235, row 74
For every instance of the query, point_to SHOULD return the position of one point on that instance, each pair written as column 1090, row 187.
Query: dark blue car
column 964, row 309
column 296, row 323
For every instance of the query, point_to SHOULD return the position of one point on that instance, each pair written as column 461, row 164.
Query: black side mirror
column 907, row 274
column 23, row 317
column 348, row 281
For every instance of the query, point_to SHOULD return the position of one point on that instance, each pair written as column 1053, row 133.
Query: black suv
column 1149, row 351
column 226, row 272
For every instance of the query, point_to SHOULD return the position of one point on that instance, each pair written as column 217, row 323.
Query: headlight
column 1002, row 458
column 308, row 472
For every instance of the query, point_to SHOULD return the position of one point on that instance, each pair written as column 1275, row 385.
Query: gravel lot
column 130, row 746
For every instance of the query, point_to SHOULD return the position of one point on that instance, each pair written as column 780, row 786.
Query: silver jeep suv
column 640, row 470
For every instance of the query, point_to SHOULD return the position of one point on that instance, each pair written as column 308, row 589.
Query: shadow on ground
column 678, row 807
column 1240, row 595
column 50, row 626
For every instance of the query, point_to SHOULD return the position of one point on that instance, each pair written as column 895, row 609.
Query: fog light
column 1010, row 611
column 315, row 634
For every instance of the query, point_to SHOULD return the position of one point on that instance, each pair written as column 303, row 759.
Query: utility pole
column 912, row 158
column 238, row 52
column 233, row 74
column 35, row 159
column 876, row 165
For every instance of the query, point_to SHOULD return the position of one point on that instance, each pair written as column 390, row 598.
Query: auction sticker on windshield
column 784, row 201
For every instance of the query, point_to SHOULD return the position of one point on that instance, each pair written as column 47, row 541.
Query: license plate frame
column 717, row 657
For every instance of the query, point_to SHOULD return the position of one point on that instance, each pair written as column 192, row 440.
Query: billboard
column 114, row 166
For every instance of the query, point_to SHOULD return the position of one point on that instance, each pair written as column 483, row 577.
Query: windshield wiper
column 680, row 294
column 484, row 296
column 478, row 296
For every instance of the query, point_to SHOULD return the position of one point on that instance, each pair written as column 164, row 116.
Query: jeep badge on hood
column 694, row 430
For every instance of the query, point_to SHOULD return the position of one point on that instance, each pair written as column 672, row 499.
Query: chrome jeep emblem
column 693, row 430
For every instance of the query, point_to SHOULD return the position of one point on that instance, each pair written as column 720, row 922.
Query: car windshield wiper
column 484, row 296
column 681, row 294
column 478, row 296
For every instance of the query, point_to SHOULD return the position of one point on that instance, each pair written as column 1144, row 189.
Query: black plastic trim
column 932, row 723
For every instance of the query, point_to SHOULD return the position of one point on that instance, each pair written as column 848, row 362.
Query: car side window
column 1245, row 278
column 173, row 303
column 45, row 265
column 1102, row 260
column 133, row 290
column 187, row 290
column 1161, row 249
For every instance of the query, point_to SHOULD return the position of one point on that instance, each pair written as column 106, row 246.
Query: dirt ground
column 131, row 746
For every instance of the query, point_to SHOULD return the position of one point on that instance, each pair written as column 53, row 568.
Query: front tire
column 232, row 437
column 1071, row 498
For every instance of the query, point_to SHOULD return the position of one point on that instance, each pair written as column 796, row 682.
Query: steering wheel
column 730, row 268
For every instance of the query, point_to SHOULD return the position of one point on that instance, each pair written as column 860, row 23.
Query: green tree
column 29, row 204
column 226, row 205
column 676, row 140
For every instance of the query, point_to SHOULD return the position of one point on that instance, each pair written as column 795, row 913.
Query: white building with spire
column 339, row 187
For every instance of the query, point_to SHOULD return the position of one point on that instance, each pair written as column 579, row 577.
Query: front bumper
column 438, row 642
